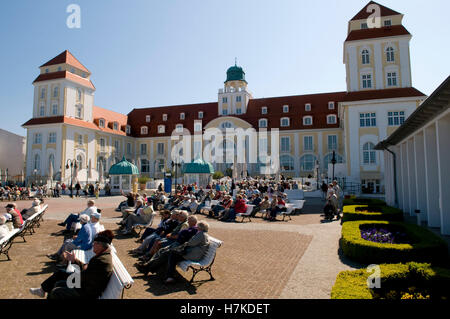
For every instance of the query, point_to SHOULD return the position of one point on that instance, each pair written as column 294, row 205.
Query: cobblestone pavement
column 297, row 259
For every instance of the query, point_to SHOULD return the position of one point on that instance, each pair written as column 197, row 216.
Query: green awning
column 124, row 168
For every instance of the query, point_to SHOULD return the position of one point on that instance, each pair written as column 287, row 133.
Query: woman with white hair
column 35, row 207
column 142, row 215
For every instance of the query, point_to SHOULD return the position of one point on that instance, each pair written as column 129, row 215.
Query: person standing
column 340, row 194
column 324, row 189
column 77, row 188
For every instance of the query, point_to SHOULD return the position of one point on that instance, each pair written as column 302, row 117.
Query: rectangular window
column 179, row 128
column 387, row 23
column 331, row 105
column 52, row 138
column 161, row 129
column 182, row 116
column 332, row 142
column 264, row 110
column 263, row 146
column 128, row 148
column 102, row 144
column 367, row 119
column 308, row 143
column 364, row 25
column 285, row 108
column 79, row 112
column 285, row 144
column 116, row 146
column 307, row 107
column 80, row 139
column 115, row 126
column 238, row 111
column 224, row 100
column 238, row 98
column 396, row 118
column 164, row 117
column 366, row 81
column 143, row 149
column 37, row 138
column 128, row 129
column 263, row 123
column 392, row 78
column 147, row 118
column 200, row 115
column 55, row 109
column 331, row 119
column 284, row 122
column 160, row 147
column 42, row 110
column 42, row 93
column 197, row 127
column 224, row 112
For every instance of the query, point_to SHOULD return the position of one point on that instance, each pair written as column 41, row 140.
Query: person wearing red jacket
column 280, row 206
column 240, row 207
column 16, row 215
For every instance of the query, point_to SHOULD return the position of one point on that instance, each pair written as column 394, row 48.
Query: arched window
column 37, row 162
column 102, row 160
column 365, row 56
column 284, row 121
column 144, row 130
column 331, row 119
column 286, row 163
column 51, row 159
column 307, row 120
column 145, row 166
column 79, row 162
column 307, row 162
column 390, row 57
column 262, row 123
column 226, row 125
column 369, row 155
column 327, row 159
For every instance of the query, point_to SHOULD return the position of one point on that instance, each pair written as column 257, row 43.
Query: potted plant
column 143, row 182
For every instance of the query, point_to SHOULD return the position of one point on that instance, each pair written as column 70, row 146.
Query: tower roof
column 68, row 58
column 384, row 11
column 235, row 73
column 124, row 168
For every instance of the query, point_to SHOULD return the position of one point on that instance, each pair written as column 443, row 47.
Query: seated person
column 142, row 215
column 278, row 205
column 35, row 208
column 225, row 204
column 94, row 276
column 193, row 204
column 165, row 215
column 4, row 230
column 74, row 218
column 256, row 200
column 240, row 207
column 183, row 237
column 329, row 210
column 128, row 203
column 82, row 241
column 15, row 215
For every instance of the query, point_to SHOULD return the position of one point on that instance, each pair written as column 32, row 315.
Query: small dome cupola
column 235, row 73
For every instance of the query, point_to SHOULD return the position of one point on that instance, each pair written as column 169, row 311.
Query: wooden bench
column 120, row 278
column 205, row 264
column 6, row 242
column 140, row 227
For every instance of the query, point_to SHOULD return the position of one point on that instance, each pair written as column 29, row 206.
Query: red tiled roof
column 372, row 33
column 64, row 75
column 70, row 121
column 363, row 14
column 381, row 94
column 66, row 57
column 319, row 111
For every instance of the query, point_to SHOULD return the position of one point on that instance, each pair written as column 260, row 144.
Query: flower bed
column 384, row 235
column 372, row 212
column 363, row 201
column 398, row 281
column 422, row 245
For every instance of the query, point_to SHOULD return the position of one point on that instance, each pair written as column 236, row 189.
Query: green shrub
column 350, row 213
column 363, row 201
column 395, row 278
column 425, row 246
column 217, row 175
column 143, row 179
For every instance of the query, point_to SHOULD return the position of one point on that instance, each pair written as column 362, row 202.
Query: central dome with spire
column 235, row 73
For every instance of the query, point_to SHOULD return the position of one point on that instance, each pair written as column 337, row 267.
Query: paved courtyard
column 297, row 259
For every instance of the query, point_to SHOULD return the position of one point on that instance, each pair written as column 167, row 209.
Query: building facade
column 12, row 158
column 379, row 97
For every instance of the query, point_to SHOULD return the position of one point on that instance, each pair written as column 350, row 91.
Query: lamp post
column 35, row 175
column 73, row 165
column 333, row 161
column 317, row 170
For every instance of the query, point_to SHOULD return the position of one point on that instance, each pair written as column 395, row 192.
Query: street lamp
column 35, row 175
column 317, row 170
column 333, row 161
column 73, row 166
column 176, row 168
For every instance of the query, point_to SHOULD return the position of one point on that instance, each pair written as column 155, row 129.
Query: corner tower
column 234, row 97
column 376, row 51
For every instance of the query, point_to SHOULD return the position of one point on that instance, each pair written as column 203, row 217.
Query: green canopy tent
column 123, row 177
column 199, row 172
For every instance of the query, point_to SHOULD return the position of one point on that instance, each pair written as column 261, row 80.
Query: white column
column 419, row 159
column 405, row 182
column 431, row 173
column 411, row 176
column 297, row 153
column 443, row 155
column 398, row 162
column 378, row 66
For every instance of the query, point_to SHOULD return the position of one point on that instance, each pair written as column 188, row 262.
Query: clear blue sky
column 145, row 53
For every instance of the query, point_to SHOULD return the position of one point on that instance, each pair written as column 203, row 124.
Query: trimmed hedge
column 363, row 201
column 396, row 277
column 425, row 246
column 351, row 213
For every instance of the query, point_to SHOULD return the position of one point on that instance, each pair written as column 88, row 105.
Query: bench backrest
column 6, row 239
column 210, row 253
column 249, row 208
column 294, row 194
column 120, row 279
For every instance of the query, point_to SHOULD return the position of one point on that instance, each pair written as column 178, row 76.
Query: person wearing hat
column 81, row 241
column 35, row 208
column 94, row 276
column 15, row 214
column 95, row 222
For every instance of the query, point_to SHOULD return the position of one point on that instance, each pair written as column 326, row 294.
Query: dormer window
column 285, row 108
column 147, row 118
column 144, row 130
column 115, row 126
column 46, row 70
column 161, row 129
column 128, row 129
column 179, row 128
column 331, row 105
column 364, row 25
column 331, row 119
column 284, row 122
column 387, row 23
column 264, row 110
column 72, row 70
column 101, row 123
column 262, row 123
column 308, row 107
column 182, row 116
column 164, row 117
column 200, row 115
column 59, row 68
column 307, row 120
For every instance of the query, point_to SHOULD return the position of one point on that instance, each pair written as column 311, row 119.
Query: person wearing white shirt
column 4, row 230
column 73, row 218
